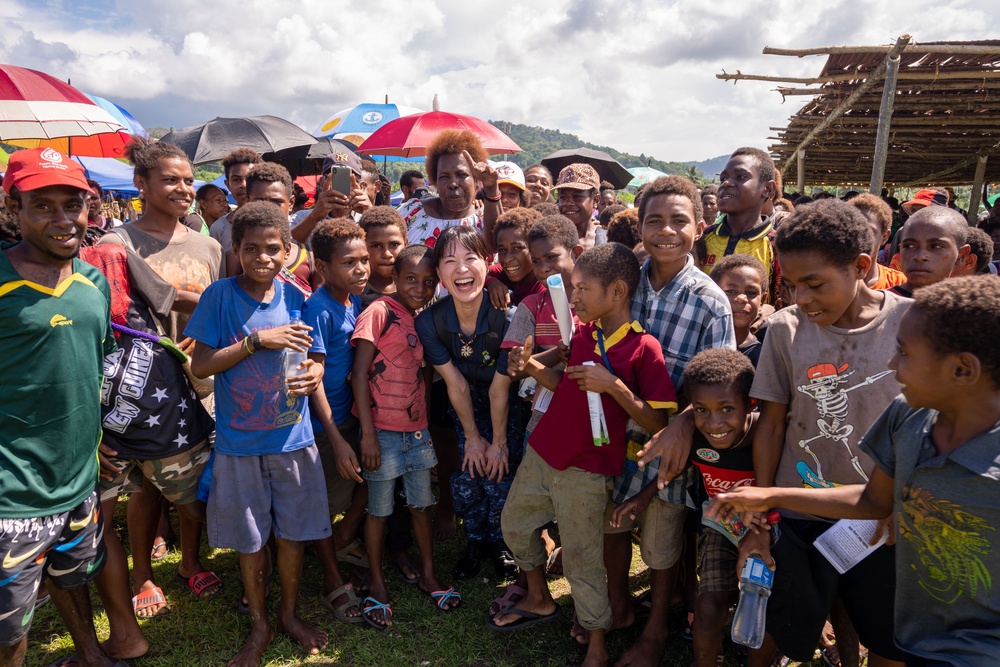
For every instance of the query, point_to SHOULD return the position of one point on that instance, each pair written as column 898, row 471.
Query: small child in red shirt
column 565, row 473
column 390, row 383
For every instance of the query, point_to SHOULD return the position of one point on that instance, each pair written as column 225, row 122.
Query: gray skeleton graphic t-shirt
column 836, row 382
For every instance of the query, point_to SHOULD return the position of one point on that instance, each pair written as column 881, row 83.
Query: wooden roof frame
column 942, row 124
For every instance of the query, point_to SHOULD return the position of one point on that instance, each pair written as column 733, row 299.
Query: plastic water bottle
column 292, row 358
column 755, row 587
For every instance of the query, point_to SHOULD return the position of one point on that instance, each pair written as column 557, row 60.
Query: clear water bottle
column 292, row 358
column 755, row 588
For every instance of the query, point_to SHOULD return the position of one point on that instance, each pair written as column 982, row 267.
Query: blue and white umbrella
column 356, row 124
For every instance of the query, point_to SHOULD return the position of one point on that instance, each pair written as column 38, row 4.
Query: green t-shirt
column 52, row 347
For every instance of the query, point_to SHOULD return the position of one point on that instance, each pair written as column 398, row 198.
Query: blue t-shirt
column 254, row 414
column 333, row 325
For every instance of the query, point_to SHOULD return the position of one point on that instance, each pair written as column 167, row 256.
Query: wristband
column 255, row 341
column 246, row 345
column 491, row 199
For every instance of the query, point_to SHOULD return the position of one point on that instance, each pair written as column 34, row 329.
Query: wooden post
column 801, row 162
column 884, row 122
column 977, row 189
column 845, row 106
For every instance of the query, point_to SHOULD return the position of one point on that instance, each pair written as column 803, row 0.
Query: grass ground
column 207, row 633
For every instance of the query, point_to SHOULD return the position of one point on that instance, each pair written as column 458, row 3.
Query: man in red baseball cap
column 57, row 332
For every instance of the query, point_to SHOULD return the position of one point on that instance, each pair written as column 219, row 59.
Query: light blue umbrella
column 119, row 114
column 643, row 175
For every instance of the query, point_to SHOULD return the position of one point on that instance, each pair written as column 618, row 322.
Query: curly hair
column 624, row 227
column 546, row 208
column 963, row 315
column 720, row 366
column 557, row 230
column 784, row 204
column 671, row 185
column 609, row 262
column 332, row 233
column 606, row 185
column 604, row 219
column 145, row 154
column 270, row 172
column 874, row 206
column 829, row 227
column 417, row 252
column 738, row 261
column 982, row 247
column 240, row 156
column 520, row 218
column 765, row 163
column 710, row 189
column 466, row 237
column 382, row 216
column 10, row 225
column 453, row 142
column 260, row 215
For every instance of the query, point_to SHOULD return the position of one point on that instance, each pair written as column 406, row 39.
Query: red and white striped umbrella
column 34, row 105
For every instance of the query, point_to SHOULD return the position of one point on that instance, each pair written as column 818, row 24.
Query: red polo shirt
column 563, row 437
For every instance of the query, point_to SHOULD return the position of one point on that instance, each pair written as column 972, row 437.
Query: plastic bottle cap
column 295, row 314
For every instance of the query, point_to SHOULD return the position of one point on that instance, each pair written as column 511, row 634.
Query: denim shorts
column 409, row 455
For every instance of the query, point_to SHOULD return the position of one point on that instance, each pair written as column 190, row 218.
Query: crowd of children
column 705, row 373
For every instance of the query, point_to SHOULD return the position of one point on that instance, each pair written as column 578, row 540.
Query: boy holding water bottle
column 266, row 465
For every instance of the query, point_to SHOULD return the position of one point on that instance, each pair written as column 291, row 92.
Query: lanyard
column 604, row 355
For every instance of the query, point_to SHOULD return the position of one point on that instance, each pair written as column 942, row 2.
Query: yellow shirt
column 756, row 242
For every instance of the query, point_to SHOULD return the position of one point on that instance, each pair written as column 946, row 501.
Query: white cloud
column 636, row 75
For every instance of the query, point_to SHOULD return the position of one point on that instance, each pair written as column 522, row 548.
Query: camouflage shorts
column 175, row 476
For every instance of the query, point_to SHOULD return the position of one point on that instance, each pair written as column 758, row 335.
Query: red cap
column 40, row 168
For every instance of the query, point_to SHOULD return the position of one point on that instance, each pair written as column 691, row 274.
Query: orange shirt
column 888, row 278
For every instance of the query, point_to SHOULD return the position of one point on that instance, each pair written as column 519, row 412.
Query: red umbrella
column 34, row 105
column 410, row 136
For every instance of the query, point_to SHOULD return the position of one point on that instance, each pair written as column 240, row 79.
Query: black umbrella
column 212, row 140
column 308, row 160
column 608, row 168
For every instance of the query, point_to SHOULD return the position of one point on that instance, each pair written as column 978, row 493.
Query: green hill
column 537, row 142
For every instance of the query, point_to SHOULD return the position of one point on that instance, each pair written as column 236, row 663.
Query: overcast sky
column 637, row 75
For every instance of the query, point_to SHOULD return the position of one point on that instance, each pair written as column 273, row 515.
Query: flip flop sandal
column 200, row 583
column 442, row 597
column 150, row 598
column 166, row 549
column 412, row 580
column 506, row 601
column 375, row 605
column 344, row 555
column 528, row 618
column 340, row 611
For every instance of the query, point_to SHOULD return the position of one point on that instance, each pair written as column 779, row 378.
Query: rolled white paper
column 598, row 426
column 561, row 305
